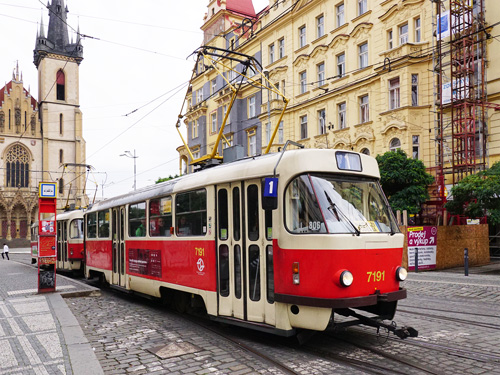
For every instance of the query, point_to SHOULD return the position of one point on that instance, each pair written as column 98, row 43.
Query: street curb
column 81, row 354
column 82, row 293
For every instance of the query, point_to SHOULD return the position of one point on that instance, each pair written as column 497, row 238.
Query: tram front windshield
column 328, row 203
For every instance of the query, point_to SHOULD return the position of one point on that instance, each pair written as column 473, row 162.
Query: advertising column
column 47, row 240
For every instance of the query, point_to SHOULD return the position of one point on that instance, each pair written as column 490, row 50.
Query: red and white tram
column 279, row 242
column 70, row 251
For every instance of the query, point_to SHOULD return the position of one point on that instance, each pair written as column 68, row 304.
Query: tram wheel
column 181, row 302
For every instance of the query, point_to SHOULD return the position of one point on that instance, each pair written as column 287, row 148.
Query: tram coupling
column 401, row 332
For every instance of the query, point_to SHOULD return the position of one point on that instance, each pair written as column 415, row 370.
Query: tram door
column 118, row 261
column 244, row 289
column 229, row 251
column 62, row 245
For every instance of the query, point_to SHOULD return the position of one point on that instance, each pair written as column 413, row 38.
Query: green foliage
column 404, row 181
column 478, row 195
column 163, row 179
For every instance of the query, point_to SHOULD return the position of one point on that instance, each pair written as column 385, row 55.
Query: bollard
column 416, row 259
column 466, row 261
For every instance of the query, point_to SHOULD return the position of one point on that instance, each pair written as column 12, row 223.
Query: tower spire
column 42, row 29
column 57, row 40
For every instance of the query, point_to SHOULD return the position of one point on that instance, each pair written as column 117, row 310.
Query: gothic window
column 2, row 122
column 61, row 85
column 60, row 123
column 61, row 186
column 17, row 167
column 17, row 115
column 61, row 156
column 33, row 124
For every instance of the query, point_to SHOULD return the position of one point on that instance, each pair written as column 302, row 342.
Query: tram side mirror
column 269, row 193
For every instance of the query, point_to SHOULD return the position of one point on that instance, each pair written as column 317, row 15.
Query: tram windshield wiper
column 338, row 213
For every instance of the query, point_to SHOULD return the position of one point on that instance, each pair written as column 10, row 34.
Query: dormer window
column 60, row 85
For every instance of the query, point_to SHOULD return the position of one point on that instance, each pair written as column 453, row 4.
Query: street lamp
column 128, row 154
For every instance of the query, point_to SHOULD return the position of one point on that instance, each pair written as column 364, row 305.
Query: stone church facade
column 41, row 138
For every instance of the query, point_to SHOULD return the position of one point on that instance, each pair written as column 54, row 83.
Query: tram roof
column 292, row 163
column 68, row 215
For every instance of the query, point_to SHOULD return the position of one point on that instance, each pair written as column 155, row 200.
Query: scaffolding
column 460, row 98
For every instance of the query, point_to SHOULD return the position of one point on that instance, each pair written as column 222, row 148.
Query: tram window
column 303, row 214
column 269, row 224
column 160, row 217
column 223, row 215
column 191, row 213
column 270, row 273
column 59, row 241
column 115, row 259
column 336, row 204
column 103, row 222
column 76, row 228
column 224, row 270
column 253, row 212
column 137, row 220
column 237, row 271
column 254, row 272
column 91, row 225
column 236, row 214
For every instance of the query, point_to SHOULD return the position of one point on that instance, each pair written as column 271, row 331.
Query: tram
column 70, row 250
column 279, row 242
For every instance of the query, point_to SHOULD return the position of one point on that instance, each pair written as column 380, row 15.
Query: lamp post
column 128, row 154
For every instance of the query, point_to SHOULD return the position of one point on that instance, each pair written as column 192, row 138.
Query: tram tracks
column 452, row 319
column 463, row 353
column 342, row 356
column 393, row 364
column 351, row 354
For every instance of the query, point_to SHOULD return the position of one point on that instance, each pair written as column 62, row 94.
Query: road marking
column 27, row 291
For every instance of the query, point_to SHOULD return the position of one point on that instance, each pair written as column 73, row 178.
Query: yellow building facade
column 359, row 75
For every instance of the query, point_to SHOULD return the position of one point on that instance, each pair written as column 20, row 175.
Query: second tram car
column 70, row 250
column 279, row 242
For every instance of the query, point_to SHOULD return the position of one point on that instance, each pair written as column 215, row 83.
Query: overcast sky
column 138, row 62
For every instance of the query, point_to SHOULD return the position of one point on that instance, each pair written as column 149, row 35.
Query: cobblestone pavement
column 38, row 333
column 456, row 316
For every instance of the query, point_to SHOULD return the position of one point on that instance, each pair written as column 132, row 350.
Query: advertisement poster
column 425, row 240
column 144, row 262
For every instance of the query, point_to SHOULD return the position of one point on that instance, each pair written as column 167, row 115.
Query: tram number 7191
column 376, row 276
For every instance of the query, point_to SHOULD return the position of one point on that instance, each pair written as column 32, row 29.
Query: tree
column 163, row 179
column 404, row 181
column 478, row 195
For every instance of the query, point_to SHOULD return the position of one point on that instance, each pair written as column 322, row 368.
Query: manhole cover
column 174, row 350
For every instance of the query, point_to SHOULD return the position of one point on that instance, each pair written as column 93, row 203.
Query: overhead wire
column 311, row 83
column 120, row 44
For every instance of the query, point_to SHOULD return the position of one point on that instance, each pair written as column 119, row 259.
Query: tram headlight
column 346, row 278
column 401, row 273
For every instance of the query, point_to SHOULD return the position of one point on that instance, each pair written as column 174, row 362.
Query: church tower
column 58, row 60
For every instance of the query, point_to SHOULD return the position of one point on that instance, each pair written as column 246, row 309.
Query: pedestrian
column 5, row 251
